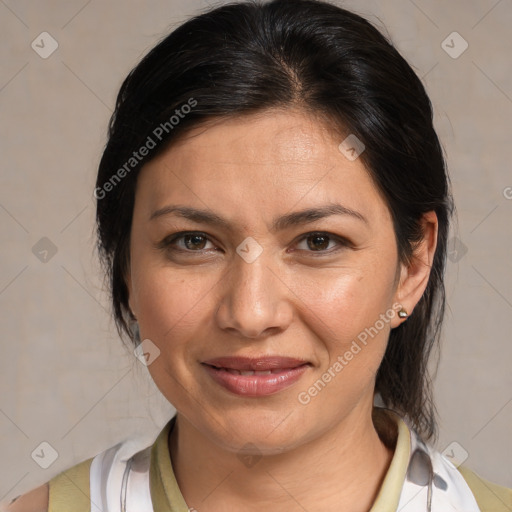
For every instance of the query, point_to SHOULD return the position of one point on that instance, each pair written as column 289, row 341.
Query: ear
column 414, row 276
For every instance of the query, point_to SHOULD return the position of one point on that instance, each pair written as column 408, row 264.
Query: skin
column 206, row 301
column 34, row 501
column 198, row 299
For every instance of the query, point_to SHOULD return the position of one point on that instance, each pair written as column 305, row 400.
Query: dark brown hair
column 246, row 57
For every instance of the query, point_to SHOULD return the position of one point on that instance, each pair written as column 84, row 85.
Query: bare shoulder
column 35, row 500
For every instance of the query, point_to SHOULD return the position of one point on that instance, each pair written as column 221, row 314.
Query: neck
column 341, row 470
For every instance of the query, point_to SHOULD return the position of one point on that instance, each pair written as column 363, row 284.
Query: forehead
column 270, row 160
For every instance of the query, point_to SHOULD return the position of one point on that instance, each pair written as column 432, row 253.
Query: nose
column 254, row 301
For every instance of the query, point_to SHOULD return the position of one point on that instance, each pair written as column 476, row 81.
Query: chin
column 272, row 430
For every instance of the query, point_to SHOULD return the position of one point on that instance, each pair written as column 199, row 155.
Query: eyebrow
column 280, row 223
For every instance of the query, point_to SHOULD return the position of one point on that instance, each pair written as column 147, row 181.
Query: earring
column 403, row 313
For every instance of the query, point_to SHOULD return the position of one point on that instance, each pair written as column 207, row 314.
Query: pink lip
column 285, row 371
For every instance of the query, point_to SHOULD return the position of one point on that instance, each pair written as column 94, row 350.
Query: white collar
column 119, row 480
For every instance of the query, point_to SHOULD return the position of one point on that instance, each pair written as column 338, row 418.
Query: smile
column 258, row 377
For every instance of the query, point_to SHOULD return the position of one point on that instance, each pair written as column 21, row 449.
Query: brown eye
column 186, row 242
column 320, row 243
column 192, row 242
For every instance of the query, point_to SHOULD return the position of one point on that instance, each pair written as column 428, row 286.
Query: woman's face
column 312, row 312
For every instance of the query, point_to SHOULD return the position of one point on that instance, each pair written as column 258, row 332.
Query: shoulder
column 71, row 488
column 489, row 496
column 68, row 490
column 34, row 501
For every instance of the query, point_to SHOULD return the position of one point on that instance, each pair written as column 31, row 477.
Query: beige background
column 65, row 377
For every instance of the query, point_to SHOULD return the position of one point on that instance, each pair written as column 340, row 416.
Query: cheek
column 173, row 315
column 351, row 320
column 350, row 314
column 170, row 304
column 346, row 301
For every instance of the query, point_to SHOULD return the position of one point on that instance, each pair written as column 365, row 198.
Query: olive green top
column 69, row 490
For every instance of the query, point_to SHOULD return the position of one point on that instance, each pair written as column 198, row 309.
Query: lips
column 259, row 364
column 250, row 372
column 255, row 376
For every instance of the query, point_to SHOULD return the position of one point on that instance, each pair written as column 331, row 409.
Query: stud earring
column 403, row 313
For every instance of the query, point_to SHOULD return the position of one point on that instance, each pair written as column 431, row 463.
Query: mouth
column 255, row 377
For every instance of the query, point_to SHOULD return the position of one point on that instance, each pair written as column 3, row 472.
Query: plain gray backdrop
column 65, row 377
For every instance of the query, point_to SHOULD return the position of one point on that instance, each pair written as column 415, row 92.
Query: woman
column 273, row 208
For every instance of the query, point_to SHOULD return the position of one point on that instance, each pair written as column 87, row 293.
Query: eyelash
column 169, row 241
